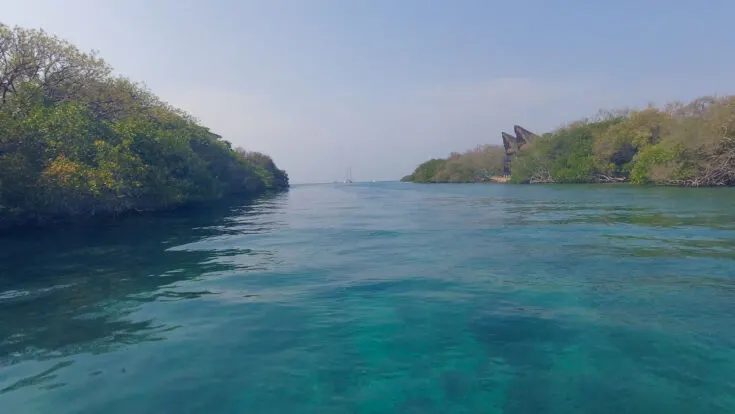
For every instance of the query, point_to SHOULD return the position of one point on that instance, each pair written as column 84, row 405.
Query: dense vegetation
column 76, row 141
column 478, row 165
column 680, row 144
column 687, row 145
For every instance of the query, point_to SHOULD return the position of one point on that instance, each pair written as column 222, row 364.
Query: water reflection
column 439, row 299
column 74, row 290
column 43, row 377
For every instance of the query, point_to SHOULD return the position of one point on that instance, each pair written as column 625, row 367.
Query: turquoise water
column 381, row 298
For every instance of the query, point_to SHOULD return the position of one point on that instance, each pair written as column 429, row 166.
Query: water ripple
column 381, row 297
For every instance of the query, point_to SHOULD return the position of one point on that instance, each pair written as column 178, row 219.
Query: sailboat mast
column 348, row 177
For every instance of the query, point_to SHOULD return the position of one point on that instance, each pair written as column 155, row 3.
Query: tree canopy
column 679, row 144
column 476, row 165
column 77, row 141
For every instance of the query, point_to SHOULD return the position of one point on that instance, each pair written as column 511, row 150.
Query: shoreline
column 52, row 222
column 602, row 183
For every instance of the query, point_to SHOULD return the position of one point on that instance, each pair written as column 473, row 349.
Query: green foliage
column 426, row 172
column 75, row 141
column 657, row 163
column 677, row 145
column 566, row 156
column 688, row 145
column 481, row 164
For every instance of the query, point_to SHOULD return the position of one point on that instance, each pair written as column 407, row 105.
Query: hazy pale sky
column 382, row 85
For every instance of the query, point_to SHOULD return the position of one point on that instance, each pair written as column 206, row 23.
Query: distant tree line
column 679, row 144
column 77, row 141
column 478, row 165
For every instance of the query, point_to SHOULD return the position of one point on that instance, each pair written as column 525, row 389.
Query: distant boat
column 348, row 177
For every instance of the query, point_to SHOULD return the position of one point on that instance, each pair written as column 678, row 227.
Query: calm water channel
column 381, row 298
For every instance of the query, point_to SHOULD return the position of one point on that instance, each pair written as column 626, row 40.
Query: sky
column 383, row 85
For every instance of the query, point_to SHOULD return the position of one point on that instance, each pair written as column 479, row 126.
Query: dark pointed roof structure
column 523, row 134
column 514, row 143
column 510, row 143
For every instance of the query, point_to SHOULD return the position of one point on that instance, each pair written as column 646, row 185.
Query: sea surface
column 381, row 298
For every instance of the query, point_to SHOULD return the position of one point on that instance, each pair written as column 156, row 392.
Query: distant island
column 680, row 144
column 78, row 142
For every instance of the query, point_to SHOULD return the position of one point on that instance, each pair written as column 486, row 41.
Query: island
column 679, row 144
column 78, row 142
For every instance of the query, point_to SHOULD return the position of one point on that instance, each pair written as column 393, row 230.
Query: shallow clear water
column 380, row 298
